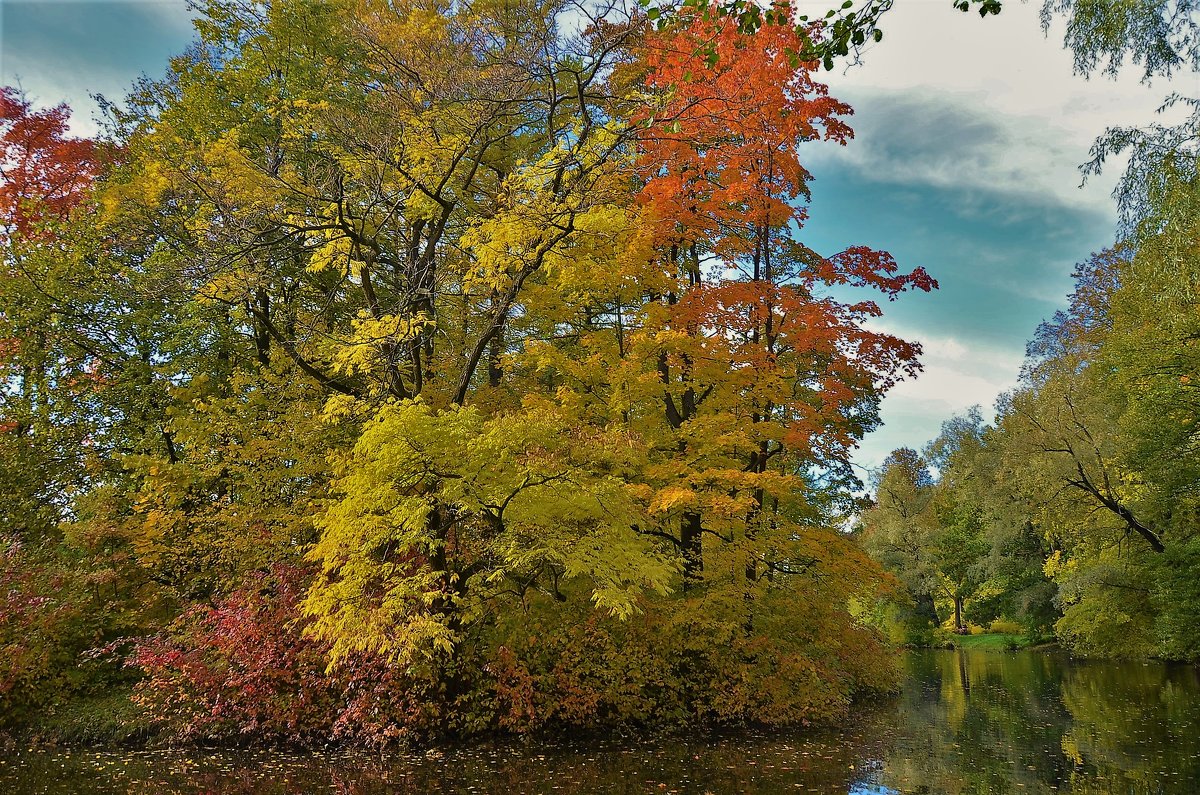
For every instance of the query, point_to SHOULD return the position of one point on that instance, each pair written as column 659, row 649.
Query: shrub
column 1002, row 626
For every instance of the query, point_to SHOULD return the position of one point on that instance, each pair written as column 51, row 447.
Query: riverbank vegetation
column 1075, row 510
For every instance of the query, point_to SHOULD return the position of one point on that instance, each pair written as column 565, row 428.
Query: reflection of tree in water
column 1136, row 727
column 978, row 723
column 1035, row 723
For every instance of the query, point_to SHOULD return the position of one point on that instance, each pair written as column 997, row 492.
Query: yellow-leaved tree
column 508, row 337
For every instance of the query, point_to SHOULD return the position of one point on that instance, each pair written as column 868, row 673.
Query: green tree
column 1101, row 478
column 897, row 528
column 959, row 546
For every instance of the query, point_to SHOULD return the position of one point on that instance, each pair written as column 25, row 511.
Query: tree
column 431, row 342
column 1150, row 357
column 1013, row 584
column 1082, row 453
column 959, row 547
column 896, row 529
column 1163, row 39
column 66, row 590
column 929, row 531
column 743, row 335
column 44, row 172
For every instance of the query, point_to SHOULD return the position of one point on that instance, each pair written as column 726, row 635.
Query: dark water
column 966, row 723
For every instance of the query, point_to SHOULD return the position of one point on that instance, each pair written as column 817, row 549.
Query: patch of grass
column 991, row 642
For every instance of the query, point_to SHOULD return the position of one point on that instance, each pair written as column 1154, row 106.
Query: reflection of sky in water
column 869, row 773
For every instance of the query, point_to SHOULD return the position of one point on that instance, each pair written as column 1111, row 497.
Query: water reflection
column 966, row 724
column 1039, row 723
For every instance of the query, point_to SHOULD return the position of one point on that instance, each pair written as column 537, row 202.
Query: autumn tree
column 468, row 336
column 44, row 171
column 716, row 349
column 844, row 31
column 755, row 364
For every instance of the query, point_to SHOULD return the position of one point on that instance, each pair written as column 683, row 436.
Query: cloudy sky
column 969, row 134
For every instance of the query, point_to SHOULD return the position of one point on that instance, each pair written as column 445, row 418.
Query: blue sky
column 969, row 134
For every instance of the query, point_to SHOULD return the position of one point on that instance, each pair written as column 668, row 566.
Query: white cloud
column 957, row 374
column 945, row 389
column 952, row 100
column 946, row 140
column 946, row 348
column 989, row 111
column 971, row 354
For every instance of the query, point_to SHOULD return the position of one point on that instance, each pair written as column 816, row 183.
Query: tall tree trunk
column 262, row 337
column 690, row 541
column 495, row 351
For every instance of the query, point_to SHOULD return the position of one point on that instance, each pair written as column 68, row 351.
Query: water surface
column 967, row 723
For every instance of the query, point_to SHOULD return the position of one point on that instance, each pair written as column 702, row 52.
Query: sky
column 969, row 134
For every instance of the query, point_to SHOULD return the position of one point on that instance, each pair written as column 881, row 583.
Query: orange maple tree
column 751, row 341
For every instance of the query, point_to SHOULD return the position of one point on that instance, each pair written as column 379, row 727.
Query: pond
column 966, row 722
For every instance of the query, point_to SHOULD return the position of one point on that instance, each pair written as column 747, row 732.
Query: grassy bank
column 108, row 718
column 996, row 641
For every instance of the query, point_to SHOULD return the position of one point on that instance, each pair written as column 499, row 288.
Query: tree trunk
column 495, row 351
column 261, row 316
column 690, row 541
